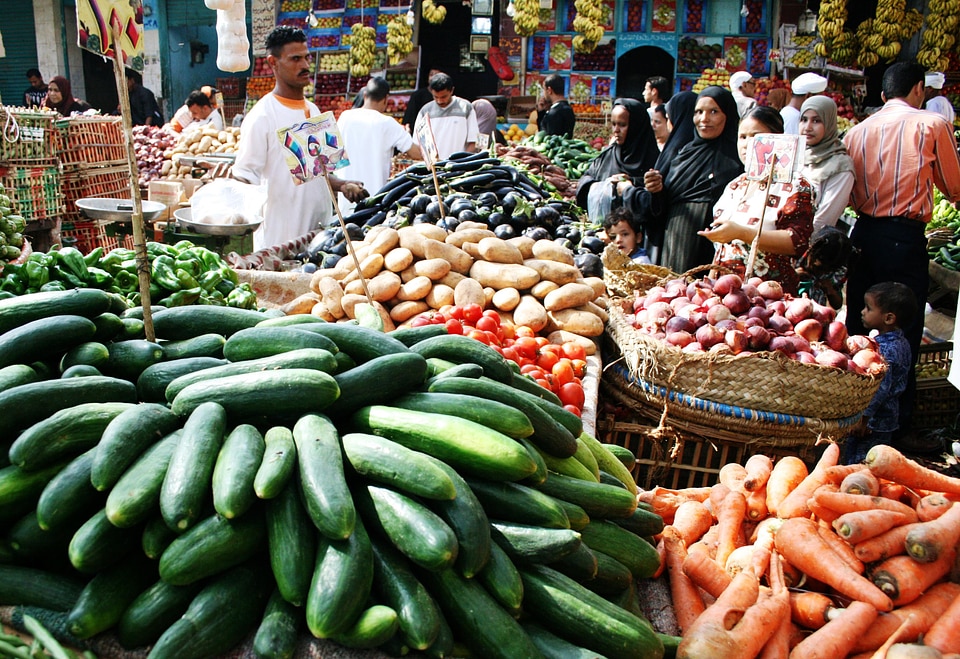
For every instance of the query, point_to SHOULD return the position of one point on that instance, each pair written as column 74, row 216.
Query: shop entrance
column 635, row 66
column 440, row 48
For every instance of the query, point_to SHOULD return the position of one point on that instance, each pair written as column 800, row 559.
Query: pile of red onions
column 150, row 143
column 729, row 316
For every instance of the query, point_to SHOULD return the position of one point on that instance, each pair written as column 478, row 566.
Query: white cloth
column 187, row 122
column 831, row 198
column 369, row 138
column 808, row 83
column 454, row 126
column 942, row 106
column 744, row 103
column 791, row 120
column 291, row 210
column 737, row 80
column 934, row 79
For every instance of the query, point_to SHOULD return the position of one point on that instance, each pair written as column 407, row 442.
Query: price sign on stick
column 99, row 20
column 428, row 145
column 313, row 147
column 775, row 156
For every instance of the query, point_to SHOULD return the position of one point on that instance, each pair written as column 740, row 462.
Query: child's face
column 872, row 316
column 623, row 236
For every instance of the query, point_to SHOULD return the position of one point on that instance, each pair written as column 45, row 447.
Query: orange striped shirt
column 899, row 154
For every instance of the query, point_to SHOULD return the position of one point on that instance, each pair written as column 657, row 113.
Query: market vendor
column 200, row 109
column 452, row 119
column 555, row 115
column 933, row 97
column 291, row 210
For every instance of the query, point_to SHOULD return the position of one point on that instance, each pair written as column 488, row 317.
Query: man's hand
column 354, row 191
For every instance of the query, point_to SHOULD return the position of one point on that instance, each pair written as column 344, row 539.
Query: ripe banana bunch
column 526, row 18
column 939, row 34
column 363, row 45
column 830, row 26
column 588, row 23
column 399, row 39
column 433, row 13
column 880, row 37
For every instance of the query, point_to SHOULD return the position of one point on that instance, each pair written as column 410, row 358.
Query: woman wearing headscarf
column 786, row 211
column 827, row 165
column 487, row 120
column 680, row 115
column 633, row 152
column 680, row 195
column 60, row 97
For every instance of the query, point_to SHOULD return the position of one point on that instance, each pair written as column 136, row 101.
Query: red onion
column 708, row 336
column 809, row 328
column 870, row 361
column 737, row 341
column 679, row 339
column 782, row 344
column 835, row 336
column 718, row 312
column 779, row 324
column 832, row 358
column 799, row 309
column 737, row 302
column 770, row 290
column 727, row 284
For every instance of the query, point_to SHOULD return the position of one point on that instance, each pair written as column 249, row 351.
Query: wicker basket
column 623, row 277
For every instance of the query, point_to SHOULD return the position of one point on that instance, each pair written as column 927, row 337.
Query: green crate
column 29, row 137
column 36, row 192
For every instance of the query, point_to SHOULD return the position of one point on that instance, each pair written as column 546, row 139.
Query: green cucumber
column 205, row 345
column 623, row 454
column 80, row 371
column 598, row 499
column 465, row 515
column 98, row 544
column 91, row 353
column 563, row 416
column 258, row 342
column 43, row 338
column 344, row 362
column 469, row 446
column 153, row 610
column 459, row 349
column 533, row 544
column 637, row 554
column 291, row 540
column 15, row 375
column 609, row 462
column 524, row 383
column 212, row 546
column 316, row 358
column 568, row 467
column 18, row 311
column 341, row 584
column 109, row 326
column 135, row 496
column 322, row 479
column 554, row 647
column 32, row 545
column 517, row 503
column 378, row 381
column 125, row 439
column 131, row 329
column 24, row 405
column 495, row 415
column 436, row 366
column 64, row 435
column 108, row 594
column 236, row 466
column 186, row 484
column 138, row 311
column 287, row 393
column 373, row 628
column 445, row 645
column 408, row 336
column 187, row 322
column 586, row 457
column 152, row 383
column 612, row 578
column 577, row 516
column 540, row 474
column 156, row 537
column 397, row 586
column 384, row 461
column 609, row 479
column 502, row 580
column 32, row 587
column 19, row 489
column 466, row 370
column 69, row 497
column 279, row 461
column 361, row 343
column 288, row 321
column 128, row 359
column 580, row 564
column 642, row 522
column 276, row 637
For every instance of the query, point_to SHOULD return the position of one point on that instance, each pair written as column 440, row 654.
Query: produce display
column 938, row 36
column 197, row 143
column 719, row 77
column 400, row 501
column 589, row 24
column 362, row 49
column 526, row 18
column 151, row 143
column 838, row 44
column 881, row 37
column 571, row 154
column 432, row 12
column 12, row 226
column 695, row 56
column 399, row 40
column 603, row 57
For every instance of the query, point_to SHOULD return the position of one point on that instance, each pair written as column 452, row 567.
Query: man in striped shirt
column 899, row 154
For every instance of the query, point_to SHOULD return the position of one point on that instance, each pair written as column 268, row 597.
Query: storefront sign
column 627, row 41
column 98, row 20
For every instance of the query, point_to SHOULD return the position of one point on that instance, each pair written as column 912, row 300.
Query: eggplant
column 467, row 215
column 589, row 264
column 537, row 233
column 592, row 243
column 565, row 242
column 340, row 249
column 450, row 223
column 423, row 218
column 330, row 260
column 308, row 267
column 460, row 204
column 573, row 235
column 509, row 202
column 546, row 216
column 486, row 199
column 432, row 210
column 354, row 231
column 504, row 232
column 496, row 218
column 419, row 203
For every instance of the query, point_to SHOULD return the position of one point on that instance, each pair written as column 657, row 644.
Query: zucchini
column 533, row 544
column 131, row 329
column 554, row 647
column 361, row 343
column 609, row 479
column 315, row 358
column 212, row 546
column 153, row 610
column 384, row 461
column 459, row 349
column 235, row 469
column 637, row 554
column 18, row 311
column 502, row 580
column 279, row 461
column 136, row 495
column 43, row 338
column 436, row 366
column 397, row 586
column 109, row 326
column 494, row 415
column 378, row 381
column 291, row 540
column 575, row 514
column 15, row 375
column 287, row 393
column 610, row 463
column 19, row 489
column 107, row 595
column 344, row 362
column 80, row 371
column 585, row 457
column 322, row 481
column 341, row 584
column 584, row 618
column 517, row 503
column 259, row 342
column 466, row 445
column 152, row 383
column 580, row 564
column 69, row 497
column 186, row 484
column 612, row 578
column 91, row 353
column 187, row 322
column 288, row 321
column 138, row 311
column 25, row 586
column 408, row 336
column 156, row 537
column 205, row 345
column 98, row 544
column 130, row 358
column 125, row 439
column 469, row 522
column 276, row 637
column 598, row 499
column 373, row 628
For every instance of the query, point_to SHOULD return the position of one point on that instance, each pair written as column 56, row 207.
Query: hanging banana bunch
column 588, row 22
column 432, row 12
column 939, row 35
column 363, row 45
column 399, row 39
column 881, row 37
column 526, row 17
column 836, row 43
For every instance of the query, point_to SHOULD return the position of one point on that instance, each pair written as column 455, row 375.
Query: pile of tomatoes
column 557, row 367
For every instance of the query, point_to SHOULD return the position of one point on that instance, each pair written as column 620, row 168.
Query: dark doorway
column 635, row 66
column 100, row 82
column 440, row 49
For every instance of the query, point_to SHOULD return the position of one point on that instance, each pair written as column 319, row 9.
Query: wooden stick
column 756, row 239
column 346, row 236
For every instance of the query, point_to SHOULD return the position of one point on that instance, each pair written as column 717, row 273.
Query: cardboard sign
column 97, row 21
column 784, row 153
column 428, row 145
column 313, row 147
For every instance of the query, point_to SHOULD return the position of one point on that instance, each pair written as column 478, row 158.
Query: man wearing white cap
column 935, row 101
column 743, row 87
column 801, row 87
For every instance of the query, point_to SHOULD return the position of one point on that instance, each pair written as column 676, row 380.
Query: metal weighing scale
column 212, row 236
column 116, row 215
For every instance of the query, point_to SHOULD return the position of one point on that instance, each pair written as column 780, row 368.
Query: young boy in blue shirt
column 622, row 231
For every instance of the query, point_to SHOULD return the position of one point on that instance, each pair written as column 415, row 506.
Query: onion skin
column 708, row 336
column 782, row 344
column 727, row 284
column 770, row 290
column 779, row 324
column 809, row 328
column 799, row 309
column 870, row 361
column 835, row 336
column 679, row 339
column 737, row 341
column 832, row 358
column 737, row 302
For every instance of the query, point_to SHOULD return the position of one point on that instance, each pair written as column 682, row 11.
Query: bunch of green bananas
column 432, row 12
column 940, row 34
column 399, row 39
column 588, row 22
column 363, row 45
column 526, row 18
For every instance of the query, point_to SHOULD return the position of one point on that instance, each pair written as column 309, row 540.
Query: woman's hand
column 725, row 231
column 652, row 181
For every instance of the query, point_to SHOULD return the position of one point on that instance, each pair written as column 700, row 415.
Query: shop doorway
column 101, row 86
column 635, row 66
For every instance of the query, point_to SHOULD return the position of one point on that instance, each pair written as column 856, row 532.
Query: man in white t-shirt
column 197, row 111
column 370, row 138
column 743, row 86
column 801, row 87
column 452, row 118
column 291, row 210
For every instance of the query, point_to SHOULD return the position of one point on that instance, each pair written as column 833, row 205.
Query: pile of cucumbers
column 283, row 477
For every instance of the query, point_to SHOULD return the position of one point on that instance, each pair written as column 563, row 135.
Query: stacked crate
column 29, row 170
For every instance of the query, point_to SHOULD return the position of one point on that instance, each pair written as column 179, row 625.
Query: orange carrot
column 692, row 519
column 662, row 553
column 861, row 525
column 687, row 604
column 887, row 462
column 729, row 521
column 809, row 609
column 705, row 573
column 795, row 504
column 883, row 546
column 932, row 505
column 837, row 637
column 861, row 481
column 847, row 503
column 757, row 504
column 821, row 512
column 787, row 474
column 837, row 473
column 778, row 647
column 944, row 634
column 927, row 608
column 842, row 548
column 903, row 579
column 758, row 468
column 928, row 540
column 732, row 475
column 891, row 490
column 798, row 541
column 882, row 651
column 762, row 549
column 665, row 501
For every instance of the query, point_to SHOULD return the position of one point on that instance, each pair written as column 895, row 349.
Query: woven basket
column 767, row 381
column 623, row 277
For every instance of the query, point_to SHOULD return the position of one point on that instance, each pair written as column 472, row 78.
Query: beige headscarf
column 829, row 156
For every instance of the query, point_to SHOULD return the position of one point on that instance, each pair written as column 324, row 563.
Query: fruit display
column 433, row 13
column 154, row 146
column 514, row 133
column 261, row 68
column 12, row 226
column 837, row 43
column 321, row 41
column 693, row 22
column 758, row 64
column 526, row 17
column 664, row 16
column 602, row 58
column 753, row 22
column 694, row 55
column 719, row 77
column 352, row 19
column 579, row 91
column 402, row 79
column 844, row 107
column 602, row 86
column 589, row 24
column 735, row 52
column 327, row 23
column 538, row 53
column 327, row 5
column 939, row 35
column 571, row 154
column 362, row 4
column 327, row 62
column 800, row 58
column 293, row 21
column 399, row 40
column 636, row 20
column 881, row 37
column 559, row 55
column 291, row 6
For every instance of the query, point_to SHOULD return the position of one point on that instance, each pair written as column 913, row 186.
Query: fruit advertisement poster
column 735, row 53
column 782, row 152
column 609, row 8
column 580, row 89
column 560, row 55
column 99, row 20
column 313, row 147
column 664, row 16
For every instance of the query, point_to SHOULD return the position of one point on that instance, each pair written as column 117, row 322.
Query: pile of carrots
column 780, row 562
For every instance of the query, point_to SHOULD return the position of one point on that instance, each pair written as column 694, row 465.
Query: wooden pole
column 751, row 260
column 346, row 236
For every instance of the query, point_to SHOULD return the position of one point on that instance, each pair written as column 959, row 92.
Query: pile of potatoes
column 422, row 267
column 199, row 142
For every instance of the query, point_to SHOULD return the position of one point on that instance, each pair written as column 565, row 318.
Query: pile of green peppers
column 180, row 274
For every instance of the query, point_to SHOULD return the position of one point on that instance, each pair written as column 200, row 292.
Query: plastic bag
column 601, row 198
column 228, row 201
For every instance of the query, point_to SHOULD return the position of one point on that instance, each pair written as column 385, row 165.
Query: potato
column 568, row 296
column 551, row 251
column 354, row 287
column 415, row 289
column 468, row 291
column 580, row 322
column 303, row 303
column 346, row 264
column 321, row 311
column 506, row 299
column 473, row 249
column 431, row 231
column 499, row 251
column 412, row 240
column 559, row 273
column 384, row 241
column 331, row 293
column 597, row 284
column 531, row 313
column 457, row 238
column 597, row 310
column 451, row 279
column 435, row 269
column 524, row 244
column 440, row 295
column 562, row 336
column 369, row 267
column 504, row 275
column 384, row 286
column 348, row 302
column 488, row 294
column 407, row 310
column 398, row 259
column 542, row 288
column 459, row 260
column 463, row 226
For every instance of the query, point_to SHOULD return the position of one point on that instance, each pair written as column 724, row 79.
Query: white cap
column 808, row 83
column 934, row 79
column 738, row 78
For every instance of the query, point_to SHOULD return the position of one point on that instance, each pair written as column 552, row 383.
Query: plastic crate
column 36, row 192
column 87, row 236
column 231, row 87
column 86, row 141
column 29, row 137
column 107, row 182
column 937, row 401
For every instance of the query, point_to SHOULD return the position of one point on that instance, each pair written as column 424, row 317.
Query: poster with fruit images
column 782, row 152
column 735, row 53
column 313, row 147
column 548, row 19
column 609, row 8
column 534, row 84
column 99, row 20
column 580, row 88
column 560, row 54
column 664, row 16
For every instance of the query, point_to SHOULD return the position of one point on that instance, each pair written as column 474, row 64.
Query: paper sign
column 428, row 145
column 782, row 152
column 483, row 141
column 312, row 147
column 96, row 22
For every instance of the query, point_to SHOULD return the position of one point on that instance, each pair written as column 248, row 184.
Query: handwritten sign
column 428, row 144
column 782, row 152
column 98, row 19
column 263, row 18
column 313, row 147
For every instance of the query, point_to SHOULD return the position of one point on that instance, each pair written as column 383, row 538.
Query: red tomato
column 455, row 312
column 420, row 321
column 571, row 393
column 472, row 313
column 563, row 371
column 478, row 335
column 492, row 313
column 487, row 324
column 541, row 341
column 523, row 330
column 492, row 337
column 454, row 326
column 573, row 350
column 579, row 367
column 509, row 352
column 546, row 360
column 526, row 346
column 509, row 330
column 554, row 348
column 545, row 384
column 438, row 319
column 574, row 409
column 446, row 310
column 532, row 370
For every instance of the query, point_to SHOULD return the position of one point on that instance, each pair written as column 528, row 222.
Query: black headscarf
column 680, row 113
column 702, row 168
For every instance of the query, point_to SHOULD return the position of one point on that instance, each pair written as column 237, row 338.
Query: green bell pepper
column 71, row 260
column 36, row 274
column 211, row 260
column 92, row 257
column 190, row 264
column 11, row 283
column 99, row 278
column 112, row 262
column 164, row 272
column 209, row 280
column 53, row 286
column 186, row 279
column 68, row 278
column 182, row 297
column 242, row 297
column 126, row 281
